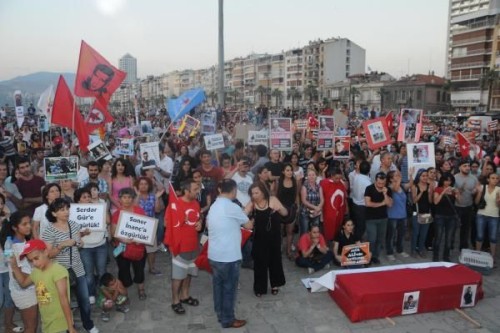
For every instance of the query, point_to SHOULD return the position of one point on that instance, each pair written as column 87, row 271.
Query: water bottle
column 7, row 250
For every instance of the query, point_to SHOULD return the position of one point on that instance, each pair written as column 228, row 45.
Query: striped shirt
column 54, row 236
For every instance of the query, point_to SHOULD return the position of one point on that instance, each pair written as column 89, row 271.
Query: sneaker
column 404, row 254
column 122, row 308
column 94, row 330
column 162, row 248
column 391, row 257
column 92, row 300
column 310, row 270
column 105, row 316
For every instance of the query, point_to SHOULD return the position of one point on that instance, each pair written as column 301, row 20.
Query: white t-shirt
column 39, row 215
column 243, row 184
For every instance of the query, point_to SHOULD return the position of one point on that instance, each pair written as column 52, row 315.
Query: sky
column 400, row 36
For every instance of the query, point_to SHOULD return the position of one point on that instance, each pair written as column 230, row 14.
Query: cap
column 32, row 245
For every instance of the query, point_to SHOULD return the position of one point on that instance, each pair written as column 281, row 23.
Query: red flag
column 98, row 115
column 463, row 144
column 171, row 218
column 390, row 122
column 62, row 113
column 334, row 209
column 95, row 76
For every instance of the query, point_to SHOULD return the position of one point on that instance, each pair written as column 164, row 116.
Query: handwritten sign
column 89, row 216
column 256, row 138
column 214, row 141
column 356, row 254
column 139, row 228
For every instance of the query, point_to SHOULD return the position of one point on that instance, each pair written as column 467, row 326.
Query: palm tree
column 353, row 93
column 489, row 79
column 294, row 94
column 311, row 91
column 235, row 94
column 261, row 91
column 278, row 94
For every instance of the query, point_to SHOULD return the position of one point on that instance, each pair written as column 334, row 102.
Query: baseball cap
column 32, row 245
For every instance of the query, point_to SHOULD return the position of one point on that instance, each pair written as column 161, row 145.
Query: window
column 419, row 95
column 438, row 96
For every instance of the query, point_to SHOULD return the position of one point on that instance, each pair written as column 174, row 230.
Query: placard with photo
column 150, row 154
column 98, row 150
column 60, row 168
column 377, row 133
column 410, row 302
column 146, row 127
column 124, row 146
column 468, row 298
column 342, row 148
column 280, row 130
column 214, row 141
column 325, row 132
column 421, row 155
column 410, row 125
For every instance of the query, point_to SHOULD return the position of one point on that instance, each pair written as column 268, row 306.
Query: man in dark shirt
column 377, row 198
column 30, row 186
column 274, row 165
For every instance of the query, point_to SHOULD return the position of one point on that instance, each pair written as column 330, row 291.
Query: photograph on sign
column 60, row 168
column 150, row 154
column 99, row 150
column 214, row 141
column 138, row 228
column 280, row 130
column 342, row 147
column 89, row 216
column 146, row 127
column 377, row 133
column 325, row 133
column 468, row 298
column 421, row 156
column 208, row 123
column 410, row 125
column 188, row 127
column 43, row 124
column 124, row 147
column 410, row 302
column 355, row 254
column 256, row 138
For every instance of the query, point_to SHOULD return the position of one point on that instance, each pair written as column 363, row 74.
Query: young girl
column 52, row 287
column 345, row 237
column 112, row 292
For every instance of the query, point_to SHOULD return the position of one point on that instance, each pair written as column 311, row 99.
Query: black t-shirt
column 376, row 197
column 275, row 168
column 344, row 241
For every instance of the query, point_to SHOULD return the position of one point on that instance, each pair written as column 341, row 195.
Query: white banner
column 89, row 216
column 139, row 228
column 256, row 138
column 215, row 141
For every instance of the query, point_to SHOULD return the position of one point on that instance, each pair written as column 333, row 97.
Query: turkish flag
column 171, row 219
column 468, row 149
column 390, row 122
column 67, row 114
column 98, row 115
column 334, row 209
column 95, row 76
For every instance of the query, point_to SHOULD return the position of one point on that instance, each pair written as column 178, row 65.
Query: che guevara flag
column 66, row 113
column 98, row 116
column 95, row 76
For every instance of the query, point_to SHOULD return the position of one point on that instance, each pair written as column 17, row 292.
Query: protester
column 288, row 195
column 312, row 200
column 50, row 193
column 345, row 237
column 396, row 213
column 112, row 293
column 488, row 200
column 313, row 252
column 121, row 177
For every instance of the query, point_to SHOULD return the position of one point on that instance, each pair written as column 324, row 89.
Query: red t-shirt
column 305, row 243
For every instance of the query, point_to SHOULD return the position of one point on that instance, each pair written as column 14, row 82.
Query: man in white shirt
column 361, row 182
column 166, row 166
column 243, row 181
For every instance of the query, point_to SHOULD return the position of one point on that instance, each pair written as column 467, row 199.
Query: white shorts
column 24, row 299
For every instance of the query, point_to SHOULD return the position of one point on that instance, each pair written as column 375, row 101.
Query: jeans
column 375, row 232
column 359, row 219
column 5, row 298
column 465, row 214
column 445, row 228
column 225, row 276
column 316, row 265
column 418, row 235
column 160, row 231
column 82, row 297
column 305, row 221
column 487, row 222
column 94, row 260
column 396, row 229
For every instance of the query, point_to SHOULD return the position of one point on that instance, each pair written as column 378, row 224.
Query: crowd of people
column 302, row 205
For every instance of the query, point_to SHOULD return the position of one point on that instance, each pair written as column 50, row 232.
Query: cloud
column 109, row 7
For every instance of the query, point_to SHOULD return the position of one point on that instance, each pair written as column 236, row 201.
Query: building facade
column 128, row 64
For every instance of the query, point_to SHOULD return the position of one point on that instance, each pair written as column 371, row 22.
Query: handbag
column 292, row 214
column 71, row 273
column 133, row 252
column 482, row 202
column 424, row 218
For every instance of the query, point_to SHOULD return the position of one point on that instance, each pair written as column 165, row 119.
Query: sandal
column 178, row 308
column 190, row 301
column 275, row 291
column 18, row 329
column 142, row 295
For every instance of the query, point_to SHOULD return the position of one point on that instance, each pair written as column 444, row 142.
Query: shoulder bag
column 71, row 273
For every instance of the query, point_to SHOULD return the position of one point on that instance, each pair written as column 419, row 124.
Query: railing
column 466, row 77
column 471, row 64
column 471, row 40
column 471, row 53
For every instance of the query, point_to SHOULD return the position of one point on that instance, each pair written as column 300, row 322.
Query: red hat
column 32, row 245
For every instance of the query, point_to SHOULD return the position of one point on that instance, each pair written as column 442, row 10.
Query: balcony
column 466, row 77
column 471, row 53
column 471, row 40
column 471, row 64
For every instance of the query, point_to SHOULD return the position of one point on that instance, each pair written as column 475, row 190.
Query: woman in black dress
column 288, row 195
column 266, row 252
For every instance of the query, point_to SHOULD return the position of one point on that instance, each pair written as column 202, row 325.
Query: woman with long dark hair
column 122, row 176
column 185, row 172
column 422, row 193
column 288, row 195
column 50, row 193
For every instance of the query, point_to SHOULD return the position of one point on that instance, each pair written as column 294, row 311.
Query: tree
column 311, row 91
column 382, row 93
column 353, row 93
column 489, row 79
column 235, row 94
column 278, row 94
column 294, row 94
column 261, row 91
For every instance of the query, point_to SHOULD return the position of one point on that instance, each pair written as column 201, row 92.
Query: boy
column 112, row 292
column 51, row 285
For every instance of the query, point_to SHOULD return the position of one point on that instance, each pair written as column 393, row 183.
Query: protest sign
column 377, row 133
column 281, row 133
column 43, row 124
column 99, row 150
column 493, row 125
column 474, row 124
column 300, row 125
column 213, row 142
column 410, row 125
column 146, row 127
column 325, row 133
column 60, row 168
column 242, row 131
column 124, row 146
column 150, row 154
column 208, row 123
column 188, row 127
column 256, row 138
column 428, row 129
column 139, row 228
column 342, row 147
column 410, row 302
column 18, row 103
column 89, row 216
column 421, row 155
column 355, row 254
column 468, row 298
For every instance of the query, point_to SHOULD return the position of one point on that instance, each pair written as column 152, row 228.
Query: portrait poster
column 410, row 125
column 43, row 124
column 213, row 142
column 281, row 134
column 188, row 127
column 208, row 123
column 89, row 216
column 21, row 148
column 325, row 133
column 99, row 150
column 377, row 133
column 342, row 147
column 421, row 155
column 468, row 296
column 256, row 138
column 355, row 254
column 146, row 127
column 18, row 104
column 150, row 154
column 410, row 303
column 474, row 124
column 124, row 146
column 300, row 124
column 60, row 168
column 139, row 228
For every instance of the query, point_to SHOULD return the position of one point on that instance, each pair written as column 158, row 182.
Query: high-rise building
column 128, row 64
column 473, row 52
